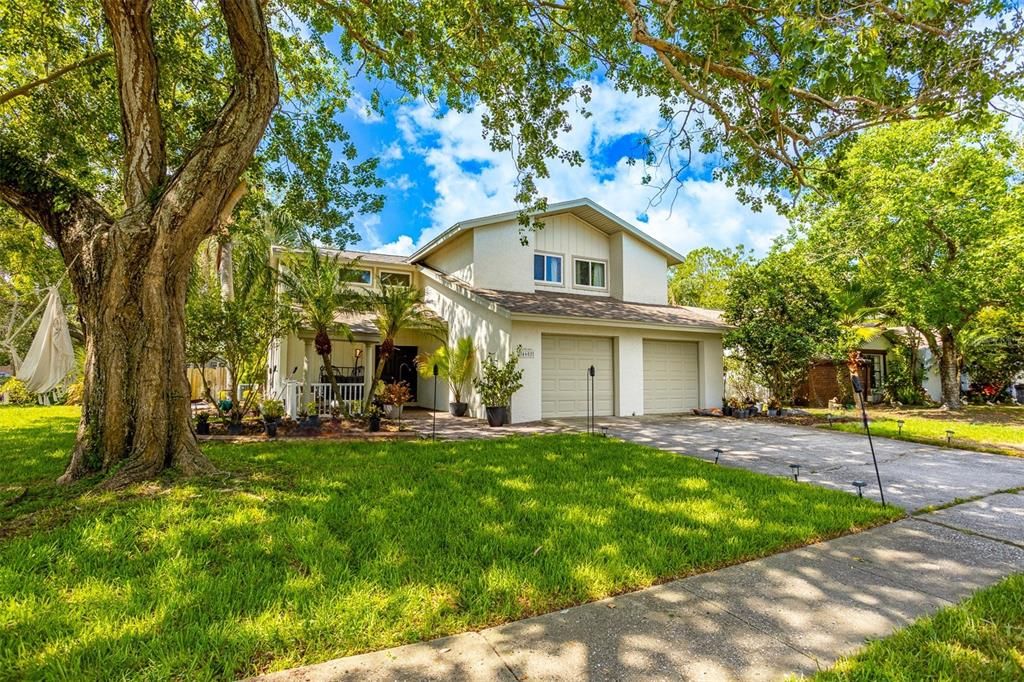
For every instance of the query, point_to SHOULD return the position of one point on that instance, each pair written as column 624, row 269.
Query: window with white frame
column 395, row 279
column 362, row 276
column 547, row 268
column 590, row 273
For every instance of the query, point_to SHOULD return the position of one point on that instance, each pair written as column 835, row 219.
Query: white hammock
column 51, row 356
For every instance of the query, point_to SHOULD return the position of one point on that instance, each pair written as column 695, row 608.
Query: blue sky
column 440, row 170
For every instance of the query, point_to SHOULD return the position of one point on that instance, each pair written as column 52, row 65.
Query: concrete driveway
column 914, row 476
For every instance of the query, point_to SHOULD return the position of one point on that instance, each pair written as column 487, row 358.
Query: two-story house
column 589, row 289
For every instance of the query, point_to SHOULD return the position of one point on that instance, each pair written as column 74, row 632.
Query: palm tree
column 454, row 364
column 398, row 308
column 316, row 284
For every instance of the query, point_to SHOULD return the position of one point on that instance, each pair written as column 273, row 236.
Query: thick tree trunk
column 136, row 417
column 949, row 370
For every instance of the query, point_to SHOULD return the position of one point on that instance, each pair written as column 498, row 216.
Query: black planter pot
column 727, row 411
column 458, row 409
column 496, row 416
column 235, row 429
column 203, row 428
column 313, row 420
column 270, row 428
column 373, row 424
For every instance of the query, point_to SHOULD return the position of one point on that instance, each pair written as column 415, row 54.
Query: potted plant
column 235, row 416
column 373, row 414
column 312, row 414
column 455, row 365
column 272, row 411
column 394, row 396
column 731, row 407
column 774, row 407
column 496, row 386
column 203, row 423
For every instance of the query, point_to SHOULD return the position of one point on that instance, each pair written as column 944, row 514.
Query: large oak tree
column 124, row 136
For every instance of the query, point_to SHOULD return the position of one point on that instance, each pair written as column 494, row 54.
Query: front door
column 401, row 366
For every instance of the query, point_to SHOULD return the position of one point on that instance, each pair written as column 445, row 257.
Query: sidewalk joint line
column 967, row 531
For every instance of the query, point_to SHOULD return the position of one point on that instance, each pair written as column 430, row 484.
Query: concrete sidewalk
column 793, row 612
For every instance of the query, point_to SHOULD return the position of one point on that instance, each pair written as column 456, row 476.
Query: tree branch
column 52, row 76
column 138, row 92
column 206, row 180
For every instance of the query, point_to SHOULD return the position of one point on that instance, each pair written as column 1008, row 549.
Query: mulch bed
column 342, row 429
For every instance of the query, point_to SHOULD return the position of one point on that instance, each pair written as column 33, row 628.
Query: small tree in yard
column 395, row 309
column 317, row 286
column 783, row 320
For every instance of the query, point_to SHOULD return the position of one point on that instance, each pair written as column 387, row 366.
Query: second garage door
column 564, row 363
column 670, row 376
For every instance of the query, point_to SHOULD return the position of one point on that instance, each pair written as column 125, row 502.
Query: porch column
column 307, row 387
column 370, row 363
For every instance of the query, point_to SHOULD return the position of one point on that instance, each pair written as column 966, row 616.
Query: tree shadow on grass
column 318, row 551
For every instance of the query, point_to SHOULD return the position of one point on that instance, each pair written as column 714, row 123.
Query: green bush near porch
column 306, row 552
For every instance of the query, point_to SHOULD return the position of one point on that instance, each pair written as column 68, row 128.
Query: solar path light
column 796, row 471
column 949, row 437
column 899, row 425
column 859, row 485
column 718, row 453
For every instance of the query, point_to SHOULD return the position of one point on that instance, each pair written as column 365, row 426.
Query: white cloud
column 472, row 180
column 402, row 183
column 362, row 108
column 390, row 153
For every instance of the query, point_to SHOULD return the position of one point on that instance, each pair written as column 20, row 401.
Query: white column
column 307, row 371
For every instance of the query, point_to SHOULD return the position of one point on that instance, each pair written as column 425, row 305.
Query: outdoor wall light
column 899, row 425
column 949, row 437
column 796, row 471
column 859, row 485
column 718, row 453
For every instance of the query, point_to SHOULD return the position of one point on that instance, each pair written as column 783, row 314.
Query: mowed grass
column 989, row 429
column 979, row 639
column 305, row 552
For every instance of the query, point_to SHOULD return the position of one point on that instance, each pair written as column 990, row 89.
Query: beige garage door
column 670, row 376
column 564, row 363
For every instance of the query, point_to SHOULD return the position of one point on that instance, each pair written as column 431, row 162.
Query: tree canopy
column 929, row 215
column 702, row 279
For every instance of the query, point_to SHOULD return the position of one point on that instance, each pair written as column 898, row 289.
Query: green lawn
column 989, row 429
column 979, row 639
column 304, row 552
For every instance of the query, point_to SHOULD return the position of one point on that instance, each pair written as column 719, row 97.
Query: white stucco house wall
column 588, row 289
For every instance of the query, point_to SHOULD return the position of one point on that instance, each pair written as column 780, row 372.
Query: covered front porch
column 305, row 379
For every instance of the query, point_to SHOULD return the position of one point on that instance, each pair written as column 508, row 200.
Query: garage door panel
column 564, row 364
column 670, row 376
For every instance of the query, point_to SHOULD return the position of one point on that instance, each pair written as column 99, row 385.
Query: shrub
column 395, row 394
column 16, row 393
column 272, row 410
column 75, row 394
column 500, row 381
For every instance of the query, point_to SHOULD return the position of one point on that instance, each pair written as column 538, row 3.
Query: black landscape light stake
column 433, row 426
column 718, row 453
column 796, row 472
column 591, row 372
column 862, row 391
column 949, row 438
column 859, row 485
column 899, row 425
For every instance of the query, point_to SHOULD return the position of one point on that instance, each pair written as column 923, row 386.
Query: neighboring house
column 589, row 289
column 828, row 379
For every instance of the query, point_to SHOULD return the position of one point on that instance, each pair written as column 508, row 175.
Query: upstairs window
column 395, row 279
column 547, row 268
column 590, row 273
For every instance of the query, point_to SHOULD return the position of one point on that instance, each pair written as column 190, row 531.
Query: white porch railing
column 351, row 394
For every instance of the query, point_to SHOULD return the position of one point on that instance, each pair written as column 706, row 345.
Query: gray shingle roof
column 558, row 304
